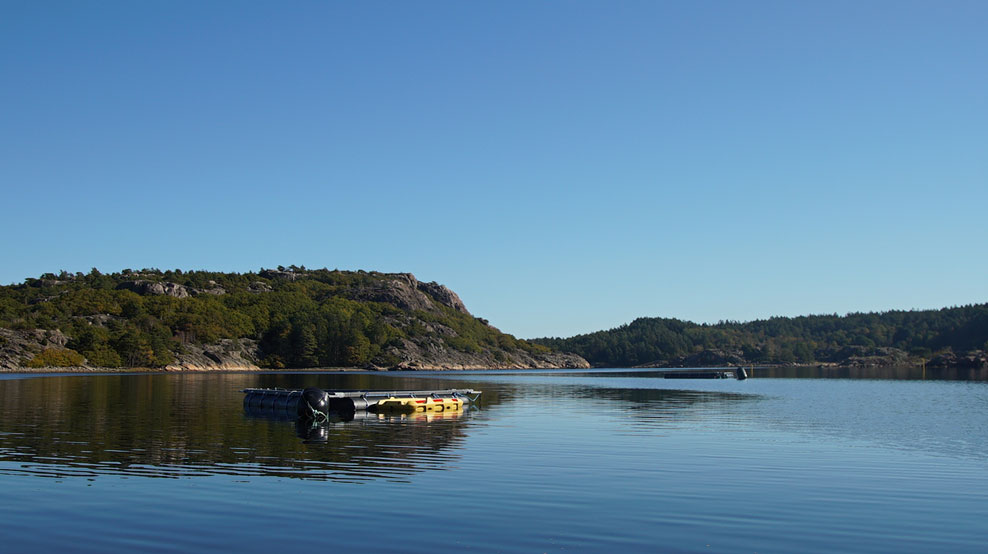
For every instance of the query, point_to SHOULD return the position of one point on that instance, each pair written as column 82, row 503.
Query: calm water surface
column 586, row 462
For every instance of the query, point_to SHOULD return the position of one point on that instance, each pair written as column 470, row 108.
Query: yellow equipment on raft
column 418, row 404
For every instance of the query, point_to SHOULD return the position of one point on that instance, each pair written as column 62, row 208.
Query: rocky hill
column 275, row 318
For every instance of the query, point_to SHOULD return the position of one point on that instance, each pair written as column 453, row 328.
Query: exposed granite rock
column 443, row 295
column 156, row 288
column 258, row 287
column 404, row 291
column 216, row 291
column 212, row 287
column 153, row 288
column 975, row 359
column 401, row 290
column 225, row 354
column 281, row 274
column 16, row 346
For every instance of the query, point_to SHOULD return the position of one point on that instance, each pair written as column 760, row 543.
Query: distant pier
column 738, row 373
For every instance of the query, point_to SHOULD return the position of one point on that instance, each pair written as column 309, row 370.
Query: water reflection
column 881, row 373
column 190, row 425
column 576, row 462
column 321, row 432
column 178, row 426
column 193, row 425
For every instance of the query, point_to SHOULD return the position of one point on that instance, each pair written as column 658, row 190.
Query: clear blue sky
column 564, row 166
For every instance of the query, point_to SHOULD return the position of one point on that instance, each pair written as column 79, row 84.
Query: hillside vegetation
column 276, row 318
column 948, row 336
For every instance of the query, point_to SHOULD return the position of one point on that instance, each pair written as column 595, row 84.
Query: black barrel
column 272, row 402
column 313, row 404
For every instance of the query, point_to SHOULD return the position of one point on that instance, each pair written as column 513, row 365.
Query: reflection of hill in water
column 649, row 408
column 182, row 425
column 883, row 373
column 188, row 425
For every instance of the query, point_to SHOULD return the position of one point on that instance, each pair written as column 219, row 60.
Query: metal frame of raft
column 317, row 404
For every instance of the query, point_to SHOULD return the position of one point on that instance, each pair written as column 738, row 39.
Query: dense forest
column 818, row 338
column 290, row 317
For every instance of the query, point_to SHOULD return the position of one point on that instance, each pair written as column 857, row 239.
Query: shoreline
column 110, row 370
column 245, row 369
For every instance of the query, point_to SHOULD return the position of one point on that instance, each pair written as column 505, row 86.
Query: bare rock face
column 259, row 287
column 17, row 346
column 149, row 288
column 400, row 290
column 224, row 354
column 444, row 296
column 215, row 291
column 975, row 359
column 404, row 291
column 212, row 287
column 282, row 274
column 152, row 288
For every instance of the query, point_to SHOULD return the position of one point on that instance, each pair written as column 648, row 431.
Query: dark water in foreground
column 591, row 462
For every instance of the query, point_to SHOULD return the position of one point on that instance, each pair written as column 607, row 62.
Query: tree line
column 919, row 333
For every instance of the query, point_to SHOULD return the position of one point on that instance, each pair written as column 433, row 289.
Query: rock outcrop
column 443, row 295
column 153, row 288
column 975, row 359
column 408, row 293
column 281, row 274
column 19, row 346
column 156, row 288
column 400, row 290
column 225, row 354
column 259, row 287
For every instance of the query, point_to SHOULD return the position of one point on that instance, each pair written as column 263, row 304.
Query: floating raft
column 317, row 404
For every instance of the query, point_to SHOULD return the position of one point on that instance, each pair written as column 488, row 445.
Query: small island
column 284, row 318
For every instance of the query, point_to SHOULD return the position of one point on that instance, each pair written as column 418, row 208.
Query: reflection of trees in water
column 654, row 407
column 885, row 373
column 194, row 424
column 180, row 425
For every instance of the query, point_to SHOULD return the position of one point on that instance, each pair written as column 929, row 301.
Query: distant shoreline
column 111, row 370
